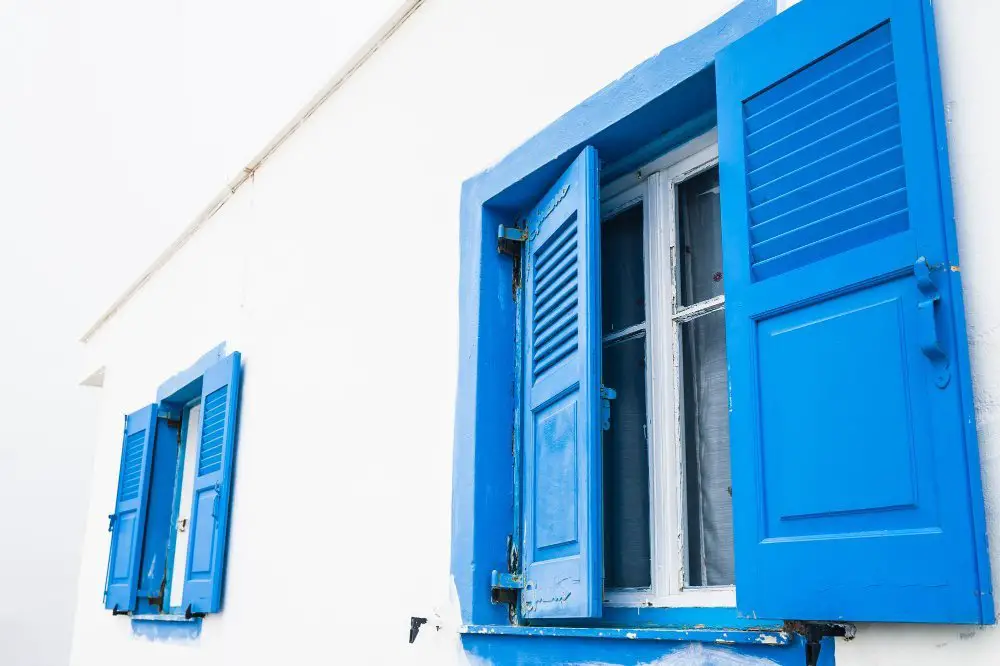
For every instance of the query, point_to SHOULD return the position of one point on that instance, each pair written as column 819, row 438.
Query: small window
column 668, row 525
column 170, row 523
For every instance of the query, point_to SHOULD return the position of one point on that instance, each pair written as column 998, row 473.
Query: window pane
column 623, row 301
column 626, row 467
column 705, row 412
column 700, row 238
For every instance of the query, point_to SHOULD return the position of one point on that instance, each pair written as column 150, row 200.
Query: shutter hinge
column 509, row 237
column 504, row 586
column 814, row 632
column 607, row 395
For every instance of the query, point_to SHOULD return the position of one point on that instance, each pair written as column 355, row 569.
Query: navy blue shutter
column 213, row 483
column 856, row 488
column 128, row 522
column 562, row 552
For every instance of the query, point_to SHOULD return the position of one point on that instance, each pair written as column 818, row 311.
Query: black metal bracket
column 115, row 611
column 188, row 615
column 815, row 632
column 415, row 624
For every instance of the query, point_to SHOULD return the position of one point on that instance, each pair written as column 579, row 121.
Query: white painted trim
column 354, row 63
column 95, row 379
column 669, row 159
column 663, row 319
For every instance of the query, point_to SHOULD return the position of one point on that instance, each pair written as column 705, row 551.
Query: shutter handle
column 215, row 503
column 111, row 521
column 927, row 334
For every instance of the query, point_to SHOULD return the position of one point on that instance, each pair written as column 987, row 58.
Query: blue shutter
column 562, row 556
column 213, row 485
column 856, row 484
column 128, row 522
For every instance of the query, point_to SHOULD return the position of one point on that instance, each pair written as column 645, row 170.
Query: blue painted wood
column 699, row 635
column 212, row 490
column 563, row 537
column 159, row 526
column 128, row 522
column 856, row 490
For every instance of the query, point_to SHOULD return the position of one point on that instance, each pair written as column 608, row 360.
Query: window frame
column 656, row 190
column 660, row 104
column 179, row 491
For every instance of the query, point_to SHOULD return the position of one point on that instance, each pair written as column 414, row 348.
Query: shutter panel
column 212, row 490
column 128, row 522
column 856, row 482
column 562, row 552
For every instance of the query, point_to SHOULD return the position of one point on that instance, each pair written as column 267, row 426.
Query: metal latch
column 182, row 524
column 814, row 632
column 930, row 343
column 509, row 237
column 607, row 395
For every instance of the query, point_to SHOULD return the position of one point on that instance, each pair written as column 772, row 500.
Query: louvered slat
column 213, row 425
column 555, row 323
column 825, row 158
column 133, row 466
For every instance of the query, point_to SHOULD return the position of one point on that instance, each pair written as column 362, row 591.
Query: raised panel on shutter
column 562, row 557
column 856, row 491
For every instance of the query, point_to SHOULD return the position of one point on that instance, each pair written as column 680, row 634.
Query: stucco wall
column 334, row 271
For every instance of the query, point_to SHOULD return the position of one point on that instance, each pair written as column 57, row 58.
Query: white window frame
column 655, row 184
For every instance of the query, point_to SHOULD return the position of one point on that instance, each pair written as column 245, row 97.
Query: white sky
column 119, row 121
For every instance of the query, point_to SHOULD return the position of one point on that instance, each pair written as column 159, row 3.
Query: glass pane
column 626, row 467
column 705, row 412
column 699, row 237
column 623, row 299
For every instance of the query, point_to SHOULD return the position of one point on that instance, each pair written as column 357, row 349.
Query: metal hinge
column 505, row 586
column 508, row 239
column 814, row 632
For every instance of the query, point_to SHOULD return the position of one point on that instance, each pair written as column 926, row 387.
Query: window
column 170, row 522
column 666, row 474
column 835, row 322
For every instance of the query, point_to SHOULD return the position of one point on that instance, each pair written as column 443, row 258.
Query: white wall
column 118, row 121
column 334, row 271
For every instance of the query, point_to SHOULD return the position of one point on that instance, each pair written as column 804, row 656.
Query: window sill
column 719, row 636
column 166, row 627
column 165, row 617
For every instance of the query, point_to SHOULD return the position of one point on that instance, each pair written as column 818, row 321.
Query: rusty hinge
column 508, row 239
column 505, row 586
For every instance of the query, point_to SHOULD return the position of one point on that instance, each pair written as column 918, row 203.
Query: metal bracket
column 508, row 238
column 607, row 395
column 814, row 632
column 504, row 587
column 189, row 615
column 111, row 521
column 115, row 611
